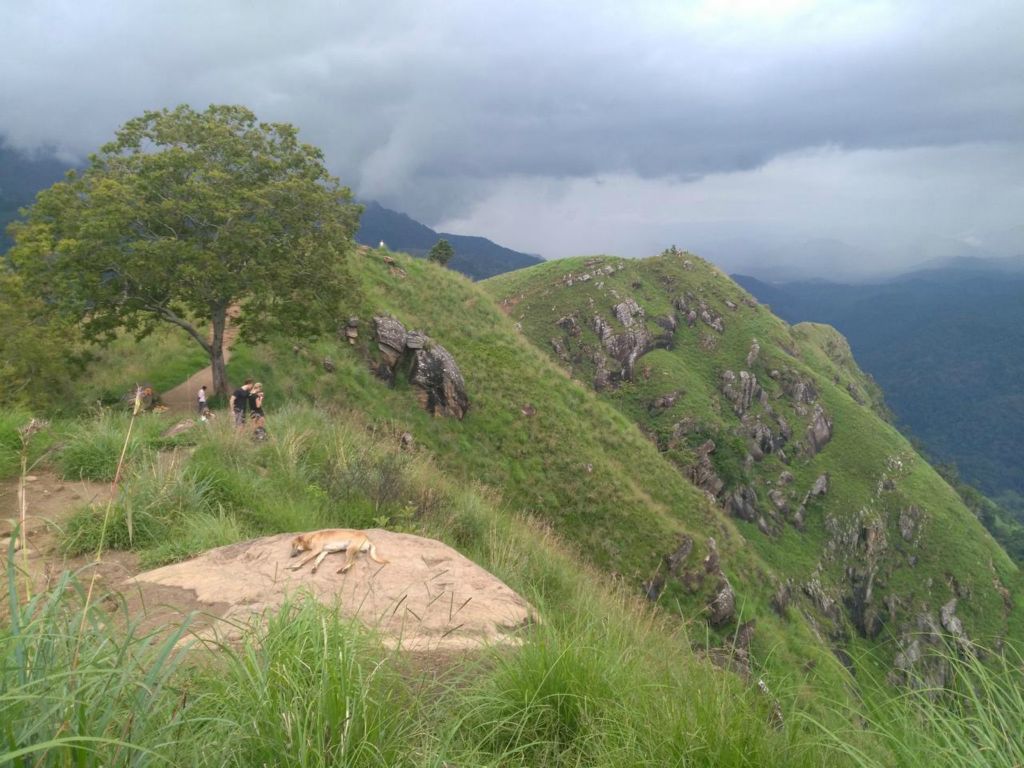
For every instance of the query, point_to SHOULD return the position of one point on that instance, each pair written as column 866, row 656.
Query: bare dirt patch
column 50, row 502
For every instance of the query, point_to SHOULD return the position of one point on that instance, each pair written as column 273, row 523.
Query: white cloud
column 856, row 211
column 435, row 108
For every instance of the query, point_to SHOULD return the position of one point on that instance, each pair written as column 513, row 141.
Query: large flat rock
column 427, row 598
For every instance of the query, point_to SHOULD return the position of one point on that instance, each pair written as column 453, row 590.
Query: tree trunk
column 220, row 377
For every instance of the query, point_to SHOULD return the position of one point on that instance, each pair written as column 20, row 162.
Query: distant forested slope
column 947, row 347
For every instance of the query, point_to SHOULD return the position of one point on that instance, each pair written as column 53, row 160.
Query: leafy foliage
column 185, row 215
column 441, row 253
column 38, row 355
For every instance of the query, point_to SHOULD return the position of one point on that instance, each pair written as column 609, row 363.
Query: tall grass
column 311, row 689
column 977, row 720
column 93, row 449
column 77, row 689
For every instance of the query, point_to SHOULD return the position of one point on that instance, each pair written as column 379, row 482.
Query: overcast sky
column 828, row 138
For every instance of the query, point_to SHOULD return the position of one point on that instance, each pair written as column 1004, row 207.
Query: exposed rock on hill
column 429, row 597
column 741, row 390
column 433, row 371
column 757, row 431
column 819, row 431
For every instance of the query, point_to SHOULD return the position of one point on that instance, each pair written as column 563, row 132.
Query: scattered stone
column 742, row 503
column 819, row 431
column 702, row 472
column 668, row 322
column 352, row 329
column 752, row 355
column 570, row 324
column 406, row 442
column 528, row 410
column 329, row 365
column 708, row 342
column 799, row 517
column 778, row 499
column 664, row 401
column 182, row 426
column 785, row 478
column 820, row 487
column 910, row 520
column 798, row 389
column 561, row 350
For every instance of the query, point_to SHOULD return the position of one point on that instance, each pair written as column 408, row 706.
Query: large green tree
column 185, row 216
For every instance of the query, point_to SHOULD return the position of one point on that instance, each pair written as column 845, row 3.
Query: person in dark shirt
column 256, row 405
column 240, row 401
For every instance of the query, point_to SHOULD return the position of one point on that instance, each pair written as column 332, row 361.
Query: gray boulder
column 442, row 390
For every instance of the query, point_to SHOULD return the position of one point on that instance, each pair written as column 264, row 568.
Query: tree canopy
column 441, row 252
column 185, row 215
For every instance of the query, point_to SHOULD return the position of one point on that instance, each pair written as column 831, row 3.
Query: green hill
column 763, row 416
column 648, row 551
column 945, row 345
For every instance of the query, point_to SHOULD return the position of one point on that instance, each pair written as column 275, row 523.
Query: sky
column 782, row 138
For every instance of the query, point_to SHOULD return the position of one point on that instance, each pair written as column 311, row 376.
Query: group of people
column 246, row 401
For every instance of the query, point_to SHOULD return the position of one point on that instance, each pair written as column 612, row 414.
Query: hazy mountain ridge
column 21, row 176
column 475, row 257
column 945, row 345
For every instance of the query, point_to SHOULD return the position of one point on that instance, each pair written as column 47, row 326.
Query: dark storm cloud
column 434, row 107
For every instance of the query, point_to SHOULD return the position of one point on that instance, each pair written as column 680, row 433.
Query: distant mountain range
column 476, row 257
column 22, row 176
column 946, row 344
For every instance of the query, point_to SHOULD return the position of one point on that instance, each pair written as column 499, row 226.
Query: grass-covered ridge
column 850, row 564
column 571, row 502
column 553, row 449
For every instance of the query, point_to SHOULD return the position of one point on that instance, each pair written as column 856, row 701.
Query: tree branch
column 172, row 317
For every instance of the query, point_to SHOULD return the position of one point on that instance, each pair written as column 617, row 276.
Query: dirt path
column 50, row 503
column 182, row 398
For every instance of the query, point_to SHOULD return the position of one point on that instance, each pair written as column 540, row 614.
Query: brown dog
column 323, row 543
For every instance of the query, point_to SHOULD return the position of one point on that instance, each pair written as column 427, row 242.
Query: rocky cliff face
column 773, row 426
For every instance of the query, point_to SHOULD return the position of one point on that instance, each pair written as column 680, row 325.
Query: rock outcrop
column 427, row 598
column 702, row 472
column 819, row 431
column 741, row 389
column 625, row 347
column 442, row 390
column 433, row 371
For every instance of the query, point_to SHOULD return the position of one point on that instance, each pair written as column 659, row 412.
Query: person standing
column 240, row 401
column 259, row 431
column 201, row 402
column 256, row 405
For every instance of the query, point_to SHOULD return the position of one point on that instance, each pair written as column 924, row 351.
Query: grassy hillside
column 945, row 344
column 575, row 499
column 877, row 556
column 553, row 449
column 604, row 680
